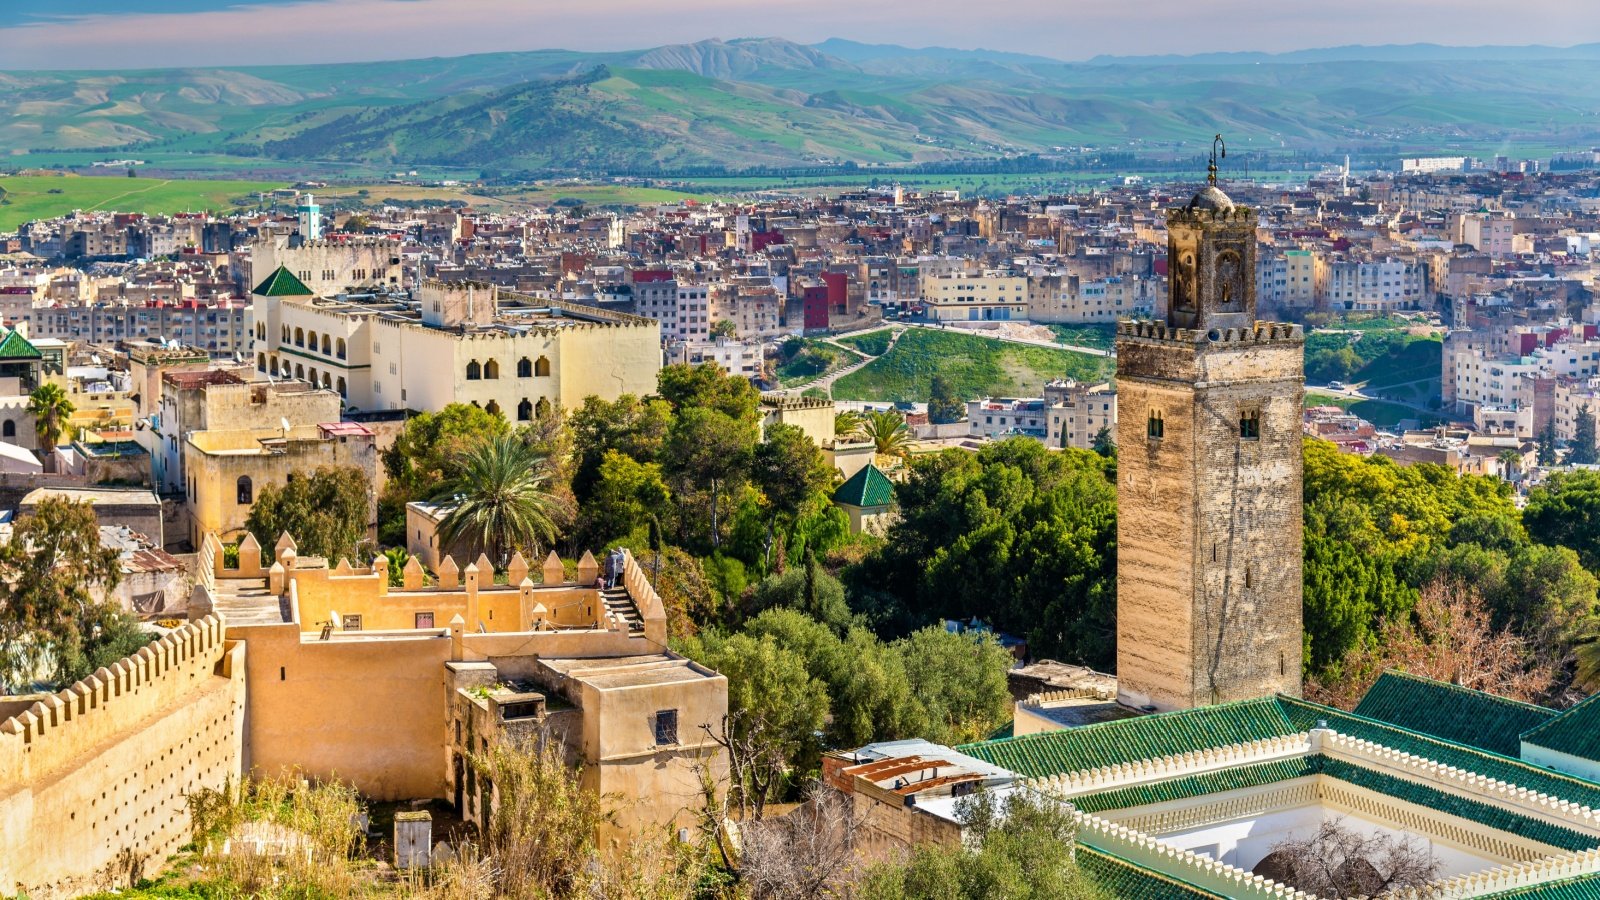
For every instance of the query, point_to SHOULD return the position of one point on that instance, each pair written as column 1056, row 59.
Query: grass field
column 873, row 343
column 814, row 360
column 975, row 366
column 29, row 197
column 1384, row 415
column 1097, row 337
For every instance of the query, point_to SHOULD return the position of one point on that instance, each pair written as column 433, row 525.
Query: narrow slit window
column 1156, row 427
column 1250, row 425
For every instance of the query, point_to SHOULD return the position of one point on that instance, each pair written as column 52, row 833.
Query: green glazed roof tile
column 1128, row 881
column 282, row 283
column 1584, row 887
column 1575, row 732
column 15, row 346
column 1451, row 712
column 868, row 487
column 1130, row 740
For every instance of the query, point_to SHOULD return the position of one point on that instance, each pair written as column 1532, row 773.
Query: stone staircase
column 620, row 605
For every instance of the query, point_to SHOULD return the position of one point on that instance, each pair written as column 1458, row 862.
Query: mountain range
column 774, row 103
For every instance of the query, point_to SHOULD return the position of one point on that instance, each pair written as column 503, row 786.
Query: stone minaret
column 1208, row 478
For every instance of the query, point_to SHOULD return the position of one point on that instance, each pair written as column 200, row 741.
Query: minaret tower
column 1209, row 477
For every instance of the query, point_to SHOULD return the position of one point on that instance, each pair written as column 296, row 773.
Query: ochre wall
column 104, row 766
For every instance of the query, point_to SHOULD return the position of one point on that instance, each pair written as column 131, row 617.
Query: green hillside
column 976, row 367
column 23, row 198
column 773, row 103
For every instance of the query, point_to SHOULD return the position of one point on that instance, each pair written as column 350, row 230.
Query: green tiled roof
column 1575, row 732
column 1495, row 817
column 1451, row 712
column 1584, row 887
column 1304, row 715
column 1130, row 740
column 15, row 346
column 1197, row 785
column 868, row 487
column 282, row 283
column 1128, row 881
column 1388, row 785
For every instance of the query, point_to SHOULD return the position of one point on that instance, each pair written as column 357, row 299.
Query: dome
column 1211, row 198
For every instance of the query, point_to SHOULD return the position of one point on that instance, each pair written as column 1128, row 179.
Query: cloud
column 245, row 32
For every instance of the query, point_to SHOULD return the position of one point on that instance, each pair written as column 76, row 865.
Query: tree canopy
column 325, row 512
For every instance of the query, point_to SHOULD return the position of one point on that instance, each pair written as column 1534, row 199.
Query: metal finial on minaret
column 1211, row 170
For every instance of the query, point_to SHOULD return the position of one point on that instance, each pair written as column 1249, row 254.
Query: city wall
column 93, row 779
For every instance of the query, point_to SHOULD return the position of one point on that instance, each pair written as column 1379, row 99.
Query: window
column 1156, row 427
column 299, row 337
column 493, row 408
column 424, row 620
column 351, row 623
column 339, row 348
column 491, row 370
column 343, row 391
column 541, row 367
column 327, row 346
column 666, row 727
column 247, row 491
column 1250, row 425
column 541, row 410
column 524, row 368
column 474, row 371
column 8, row 429
column 524, row 411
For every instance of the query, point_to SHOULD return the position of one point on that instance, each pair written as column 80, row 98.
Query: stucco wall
column 94, row 771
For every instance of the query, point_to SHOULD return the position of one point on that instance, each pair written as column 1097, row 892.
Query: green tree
column 52, row 629
column 808, row 589
column 709, row 451
column 960, row 680
column 1547, row 444
column 725, row 328
column 627, row 493
column 325, row 512
column 419, row 459
column 1583, row 450
column 1019, row 848
column 848, row 424
column 944, row 406
column 50, row 408
column 500, row 501
column 1510, row 463
column 1105, row 443
column 887, row 431
column 706, row 386
column 1565, row 512
column 769, row 689
column 789, row 469
column 635, row 427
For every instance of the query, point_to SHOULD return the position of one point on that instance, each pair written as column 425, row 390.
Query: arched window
column 327, row 346
column 299, row 337
column 313, row 373
column 311, row 341
column 342, row 390
column 261, row 362
column 247, row 491
column 542, row 409
column 1250, row 425
column 273, row 366
column 327, row 381
column 300, row 371
column 524, row 368
column 339, row 348
column 491, row 370
column 474, row 371
column 541, row 367
column 1156, row 427
column 524, row 411
column 8, row 429
column 286, row 334
column 493, row 408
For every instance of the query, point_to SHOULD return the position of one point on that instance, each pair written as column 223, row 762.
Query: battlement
column 785, row 402
column 56, row 730
column 1237, row 215
column 364, row 243
column 1261, row 333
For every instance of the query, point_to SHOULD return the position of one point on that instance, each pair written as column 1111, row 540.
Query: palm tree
column 1510, row 463
column 888, row 432
column 500, row 499
column 50, row 409
column 848, row 424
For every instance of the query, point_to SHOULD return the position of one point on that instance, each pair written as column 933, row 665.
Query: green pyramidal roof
column 282, row 283
column 15, row 346
column 1455, row 713
column 868, row 487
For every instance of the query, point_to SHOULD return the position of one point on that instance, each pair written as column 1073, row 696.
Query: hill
column 975, row 366
column 773, row 103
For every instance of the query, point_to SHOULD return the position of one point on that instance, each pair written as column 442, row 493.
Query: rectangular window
column 666, row 727
column 424, row 620
column 1250, row 425
column 1156, row 427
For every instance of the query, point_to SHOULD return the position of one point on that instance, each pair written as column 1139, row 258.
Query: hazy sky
column 123, row 33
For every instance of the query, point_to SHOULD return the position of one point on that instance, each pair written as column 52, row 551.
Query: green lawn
column 1097, row 337
column 814, row 360
column 975, row 366
column 873, row 343
column 1379, row 413
column 27, row 197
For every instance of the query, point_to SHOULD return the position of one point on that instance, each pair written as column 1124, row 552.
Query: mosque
column 1204, row 758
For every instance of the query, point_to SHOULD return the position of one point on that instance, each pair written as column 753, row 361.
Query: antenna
column 1217, row 144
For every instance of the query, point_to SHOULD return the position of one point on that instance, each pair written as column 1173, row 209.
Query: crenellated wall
column 103, row 767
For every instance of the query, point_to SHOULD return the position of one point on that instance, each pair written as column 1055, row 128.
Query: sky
column 55, row 34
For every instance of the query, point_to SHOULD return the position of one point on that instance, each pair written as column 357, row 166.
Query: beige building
column 1078, row 412
column 991, row 296
column 329, row 266
column 460, row 342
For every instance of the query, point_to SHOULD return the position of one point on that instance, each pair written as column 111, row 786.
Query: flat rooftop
column 616, row 673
